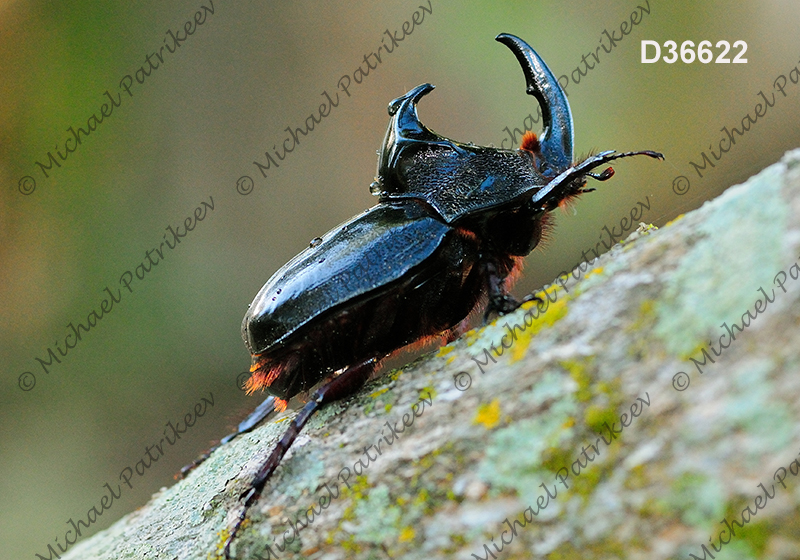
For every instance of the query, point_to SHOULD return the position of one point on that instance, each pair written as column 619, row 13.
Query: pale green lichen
column 753, row 409
column 377, row 520
column 505, row 468
column 702, row 293
column 695, row 497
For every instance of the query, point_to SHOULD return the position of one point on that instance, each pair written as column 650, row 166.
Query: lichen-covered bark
column 612, row 342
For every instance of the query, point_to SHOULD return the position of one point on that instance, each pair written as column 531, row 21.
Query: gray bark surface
column 620, row 329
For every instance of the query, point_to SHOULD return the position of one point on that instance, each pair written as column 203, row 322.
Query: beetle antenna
column 604, row 176
column 575, row 173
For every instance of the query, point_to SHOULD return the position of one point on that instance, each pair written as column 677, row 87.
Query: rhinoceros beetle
column 447, row 236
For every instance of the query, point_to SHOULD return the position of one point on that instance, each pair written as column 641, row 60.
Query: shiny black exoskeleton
column 453, row 223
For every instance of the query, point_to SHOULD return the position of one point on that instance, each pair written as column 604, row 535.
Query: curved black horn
column 404, row 133
column 557, row 137
column 405, row 125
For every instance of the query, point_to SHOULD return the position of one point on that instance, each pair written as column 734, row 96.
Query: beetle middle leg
column 500, row 301
column 345, row 384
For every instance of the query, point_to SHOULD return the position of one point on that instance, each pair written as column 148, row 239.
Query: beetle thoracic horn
column 406, row 132
column 557, row 137
column 405, row 125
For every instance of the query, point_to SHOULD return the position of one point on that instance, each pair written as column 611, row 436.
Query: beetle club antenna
column 567, row 176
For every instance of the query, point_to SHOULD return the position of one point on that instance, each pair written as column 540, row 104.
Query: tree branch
column 585, row 395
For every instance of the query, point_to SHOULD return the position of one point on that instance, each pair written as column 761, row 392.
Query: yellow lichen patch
column 450, row 360
column 554, row 458
column 358, row 491
column 554, row 312
column 445, row 350
column 645, row 317
column 223, row 537
column 577, row 370
column 379, row 392
column 695, row 351
column 350, row 545
column 488, row 414
column 388, row 407
column 675, row 219
column 393, row 376
column 427, row 393
column 471, row 337
column 407, row 534
column 528, row 304
column 596, row 416
column 610, row 388
column 598, row 270
column 422, row 498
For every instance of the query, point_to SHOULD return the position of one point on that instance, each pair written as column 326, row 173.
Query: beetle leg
column 262, row 411
column 500, row 301
column 345, row 384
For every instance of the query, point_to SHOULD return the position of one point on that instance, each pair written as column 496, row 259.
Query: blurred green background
column 215, row 105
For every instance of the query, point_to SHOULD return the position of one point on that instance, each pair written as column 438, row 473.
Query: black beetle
column 446, row 238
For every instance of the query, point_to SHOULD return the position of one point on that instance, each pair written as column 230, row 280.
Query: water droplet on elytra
column 315, row 242
column 376, row 186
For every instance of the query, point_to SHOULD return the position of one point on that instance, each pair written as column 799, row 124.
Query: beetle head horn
column 557, row 136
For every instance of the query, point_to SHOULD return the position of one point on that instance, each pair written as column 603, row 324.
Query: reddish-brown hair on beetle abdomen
column 263, row 373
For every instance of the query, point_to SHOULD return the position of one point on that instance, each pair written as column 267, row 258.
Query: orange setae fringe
column 263, row 374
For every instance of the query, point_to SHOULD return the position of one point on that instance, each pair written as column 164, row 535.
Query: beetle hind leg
column 345, row 384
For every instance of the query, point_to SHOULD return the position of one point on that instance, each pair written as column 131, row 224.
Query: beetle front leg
column 345, row 384
column 500, row 301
